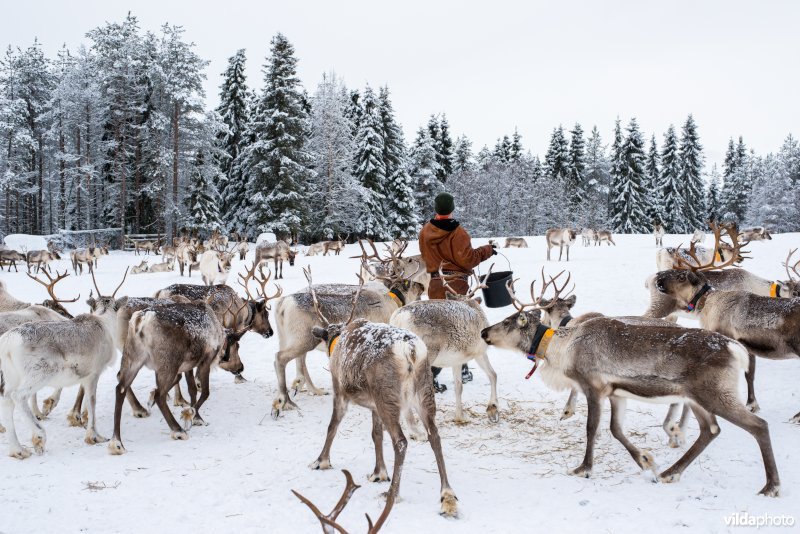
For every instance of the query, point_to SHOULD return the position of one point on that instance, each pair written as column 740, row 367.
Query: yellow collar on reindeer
column 398, row 298
column 332, row 345
column 717, row 257
column 775, row 290
column 538, row 349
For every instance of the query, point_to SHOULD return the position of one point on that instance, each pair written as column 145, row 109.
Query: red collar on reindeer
column 697, row 296
column 538, row 349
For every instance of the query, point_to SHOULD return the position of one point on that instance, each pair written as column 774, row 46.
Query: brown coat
column 446, row 241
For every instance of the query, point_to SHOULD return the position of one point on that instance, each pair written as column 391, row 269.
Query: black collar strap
column 564, row 321
column 697, row 296
column 541, row 330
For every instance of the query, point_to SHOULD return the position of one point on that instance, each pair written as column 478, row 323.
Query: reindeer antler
column 307, row 273
column 328, row 521
column 537, row 301
column 364, row 255
column 478, row 283
column 51, row 285
column 736, row 252
column 789, row 270
column 99, row 293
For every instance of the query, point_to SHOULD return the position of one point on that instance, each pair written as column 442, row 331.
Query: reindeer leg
column 22, row 399
column 162, row 387
column 709, row 429
column 492, row 411
column 74, row 416
column 312, row 389
column 673, row 429
column 138, row 410
column 51, row 402
column 750, row 378
column 35, row 408
column 391, row 419
column 282, row 358
column 205, row 391
column 643, row 458
column 458, row 387
column 339, row 409
column 569, row 408
column 592, row 422
column 179, row 400
column 92, row 437
column 15, row 450
column 379, row 474
column 428, row 416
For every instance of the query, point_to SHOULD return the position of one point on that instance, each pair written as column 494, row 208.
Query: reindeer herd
column 381, row 339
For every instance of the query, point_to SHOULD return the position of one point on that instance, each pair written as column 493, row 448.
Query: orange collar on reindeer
column 775, row 290
column 538, row 349
column 332, row 344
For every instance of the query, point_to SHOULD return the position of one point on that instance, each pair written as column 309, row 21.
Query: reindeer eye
column 522, row 320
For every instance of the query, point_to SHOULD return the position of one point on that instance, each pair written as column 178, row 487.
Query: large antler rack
column 792, row 271
column 536, row 303
column 50, row 286
column 711, row 265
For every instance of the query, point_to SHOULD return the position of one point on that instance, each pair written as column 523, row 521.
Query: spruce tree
column 557, row 158
column 516, row 151
column 277, row 163
column 691, row 179
column 655, row 197
column 463, row 160
column 401, row 208
column 669, row 184
column 502, row 151
column 424, row 171
column 233, row 108
column 203, row 201
column 628, row 204
column 615, row 168
column 577, row 167
column 371, row 167
column 713, row 204
column 444, row 149
column 354, row 110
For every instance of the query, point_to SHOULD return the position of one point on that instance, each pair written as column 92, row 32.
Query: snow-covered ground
column 236, row 474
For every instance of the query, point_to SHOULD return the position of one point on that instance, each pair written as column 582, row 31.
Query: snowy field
column 235, row 475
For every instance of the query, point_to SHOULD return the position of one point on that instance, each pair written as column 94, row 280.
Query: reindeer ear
column 570, row 301
column 320, row 333
column 479, row 300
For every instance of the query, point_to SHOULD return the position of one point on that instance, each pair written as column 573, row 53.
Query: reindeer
column 186, row 255
column 53, row 247
column 515, row 242
column 11, row 257
column 277, row 252
column 169, row 252
column 295, row 317
column 141, row 268
column 82, row 256
column 333, row 246
column 14, row 313
column 759, row 233
column 674, row 257
column 215, row 267
column 766, row 326
column 588, row 236
column 147, row 247
column 39, row 258
column 792, row 284
column 316, row 248
column 59, row 354
column 451, row 330
column 386, row 370
column 243, row 247
column 99, row 252
column 173, row 339
column 607, row 358
column 698, row 237
column 413, row 268
column 658, row 232
column 560, row 237
column 165, row 267
column 604, row 236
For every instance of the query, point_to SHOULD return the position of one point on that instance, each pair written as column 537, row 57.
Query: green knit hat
column 444, row 204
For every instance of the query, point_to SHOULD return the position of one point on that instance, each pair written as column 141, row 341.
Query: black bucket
column 495, row 295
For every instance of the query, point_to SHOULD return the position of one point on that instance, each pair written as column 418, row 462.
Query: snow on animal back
column 194, row 319
column 365, row 345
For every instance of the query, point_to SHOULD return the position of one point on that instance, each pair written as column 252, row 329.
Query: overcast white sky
column 496, row 65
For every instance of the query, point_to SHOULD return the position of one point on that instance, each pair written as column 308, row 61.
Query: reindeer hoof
column 179, row 435
column 74, row 418
column 381, row 476
column 753, row 407
column 187, row 415
column 239, row 379
column 47, row 406
column 38, row 444
column 567, row 413
column 318, row 392
column 770, row 490
column 141, row 414
column 676, row 437
column 198, row 421
column 669, row 478
column 320, row 464
column 582, row 471
column 493, row 413
column 449, row 504
column 646, row 460
column 94, row 439
column 20, row 454
column 115, row 448
column 795, row 419
column 460, row 420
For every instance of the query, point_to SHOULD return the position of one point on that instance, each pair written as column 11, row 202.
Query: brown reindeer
column 559, row 237
column 384, row 369
column 608, row 358
column 277, row 252
column 40, row 258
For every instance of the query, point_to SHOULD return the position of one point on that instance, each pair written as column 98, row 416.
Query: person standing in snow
column 444, row 242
